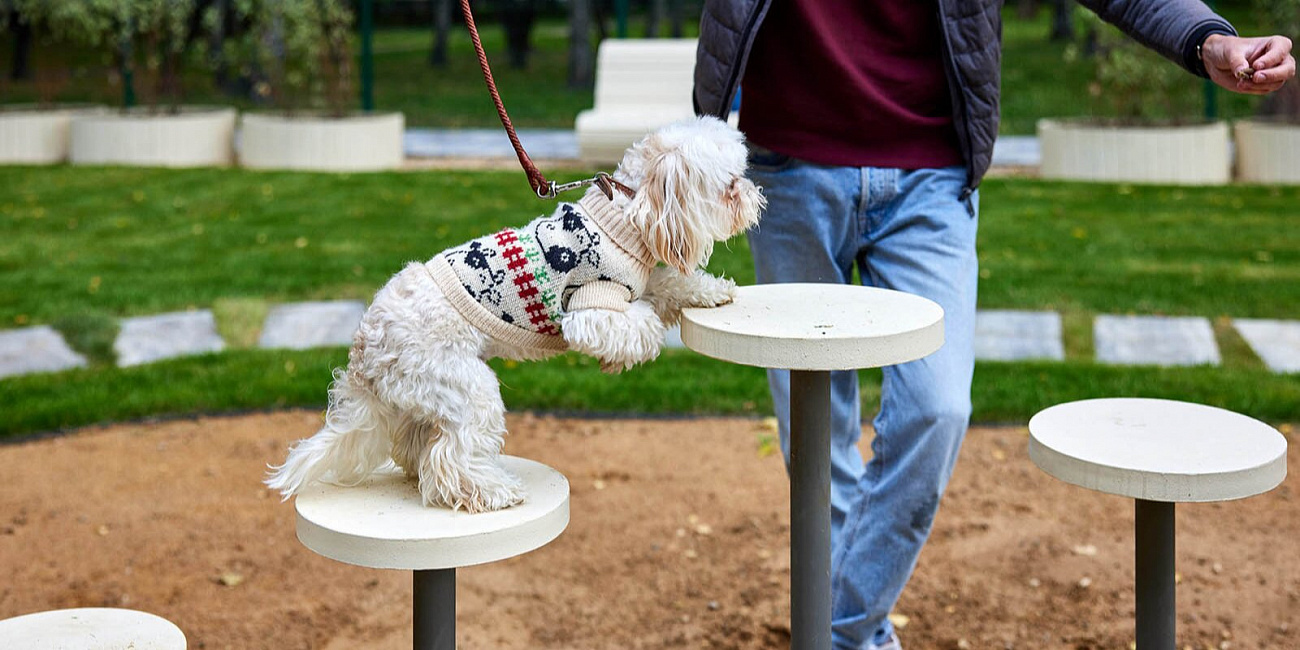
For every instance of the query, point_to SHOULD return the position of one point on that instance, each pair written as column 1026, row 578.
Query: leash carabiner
column 602, row 180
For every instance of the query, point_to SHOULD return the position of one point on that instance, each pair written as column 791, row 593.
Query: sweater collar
column 616, row 224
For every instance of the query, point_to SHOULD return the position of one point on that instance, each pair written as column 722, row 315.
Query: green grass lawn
column 1038, row 80
column 84, row 246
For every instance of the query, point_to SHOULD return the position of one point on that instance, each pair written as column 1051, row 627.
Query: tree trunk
column 441, row 32
column 655, row 16
column 1062, row 20
column 517, row 19
column 216, row 42
column 581, row 57
column 597, row 9
column 675, row 18
column 21, row 69
column 1026, row 9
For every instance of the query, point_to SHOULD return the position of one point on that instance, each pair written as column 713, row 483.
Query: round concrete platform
column 382, row 523
column 90, row 629
column 1158, row 450
column 816, row 327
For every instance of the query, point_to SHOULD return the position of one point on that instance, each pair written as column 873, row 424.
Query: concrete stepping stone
column 1277, row 342
column 542, row 144
column 153, row 338
column 1155, row 340
column 36, row 349
column 305, row 325
column 1007, row 335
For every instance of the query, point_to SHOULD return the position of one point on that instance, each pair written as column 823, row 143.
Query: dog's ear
column 743, row 201
column 663, row 208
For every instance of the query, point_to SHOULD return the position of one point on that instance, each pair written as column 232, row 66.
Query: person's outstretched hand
column 1257, row 66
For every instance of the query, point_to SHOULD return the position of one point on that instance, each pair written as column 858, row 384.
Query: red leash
column 543, row 188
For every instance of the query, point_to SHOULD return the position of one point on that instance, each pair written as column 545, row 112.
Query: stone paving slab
column 542, row 144
column 153, row 338
column 36, row 349
column 1017, row 151
column 1155, row 340
column 1006, row 335
column 1277, row 342
column 562, row 144
column 305, row 325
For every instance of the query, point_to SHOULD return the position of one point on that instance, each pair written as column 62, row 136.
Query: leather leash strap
column 543, row 188
column 535, row 177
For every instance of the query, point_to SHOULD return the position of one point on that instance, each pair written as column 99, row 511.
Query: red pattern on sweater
column 525, row 283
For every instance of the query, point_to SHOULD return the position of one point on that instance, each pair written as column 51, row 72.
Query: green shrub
column 1132, row 83
column 298, row 51
column 54, row 23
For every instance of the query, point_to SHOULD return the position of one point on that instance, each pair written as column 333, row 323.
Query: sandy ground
column 678, row 539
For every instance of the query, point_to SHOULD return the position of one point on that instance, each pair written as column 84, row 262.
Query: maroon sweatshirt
column 851, row 82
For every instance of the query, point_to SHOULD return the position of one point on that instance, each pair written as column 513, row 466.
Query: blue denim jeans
column 905, row 230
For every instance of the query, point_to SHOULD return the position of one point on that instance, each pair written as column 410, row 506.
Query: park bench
column 641, row 85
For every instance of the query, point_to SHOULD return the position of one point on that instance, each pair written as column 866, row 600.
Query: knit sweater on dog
column 516, row 285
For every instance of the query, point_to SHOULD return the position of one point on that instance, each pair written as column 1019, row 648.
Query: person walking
column 871, row 124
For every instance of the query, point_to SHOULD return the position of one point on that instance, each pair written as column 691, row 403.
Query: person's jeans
column 909, row 231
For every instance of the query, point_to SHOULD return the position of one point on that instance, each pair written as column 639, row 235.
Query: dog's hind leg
column 460, row 466
column 410, row 437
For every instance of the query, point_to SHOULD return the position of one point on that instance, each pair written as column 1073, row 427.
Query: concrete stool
column 381, row 523
column 812, row 329
column 90, row 629
column 1158, row 452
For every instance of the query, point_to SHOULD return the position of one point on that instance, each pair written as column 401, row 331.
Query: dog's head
column 691, row 190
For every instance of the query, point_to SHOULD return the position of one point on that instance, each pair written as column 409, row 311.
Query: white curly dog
column 418, row 390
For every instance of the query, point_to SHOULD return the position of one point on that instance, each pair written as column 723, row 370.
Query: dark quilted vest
column 972, row 49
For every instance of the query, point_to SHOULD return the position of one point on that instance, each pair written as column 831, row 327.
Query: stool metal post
column 1154, row 580
column 434, row 608
column 810, row 510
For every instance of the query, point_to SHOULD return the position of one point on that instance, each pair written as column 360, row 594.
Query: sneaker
column 892, row 643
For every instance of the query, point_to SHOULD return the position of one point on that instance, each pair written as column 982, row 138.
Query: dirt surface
column 678, row 539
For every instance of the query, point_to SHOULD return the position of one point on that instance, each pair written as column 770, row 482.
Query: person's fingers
column 1236, row 60
column 1252, row 88
column 1276, row 74
column 1274, row 51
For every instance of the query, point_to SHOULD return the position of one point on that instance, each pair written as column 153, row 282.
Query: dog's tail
column 351, row 446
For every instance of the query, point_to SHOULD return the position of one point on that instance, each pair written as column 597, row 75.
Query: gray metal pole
column 1154, row 580
column 810, row 510
column 434, row 609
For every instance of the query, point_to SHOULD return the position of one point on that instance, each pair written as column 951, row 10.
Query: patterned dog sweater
column 516, row 284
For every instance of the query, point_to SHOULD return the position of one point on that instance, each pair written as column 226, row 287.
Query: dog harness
column 517, row 284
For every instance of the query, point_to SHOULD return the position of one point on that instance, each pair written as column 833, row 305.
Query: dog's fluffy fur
column 417, row 389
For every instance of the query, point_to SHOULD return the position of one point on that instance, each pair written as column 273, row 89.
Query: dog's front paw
column 714, row 292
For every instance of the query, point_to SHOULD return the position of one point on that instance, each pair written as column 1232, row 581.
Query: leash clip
column 602, row 180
